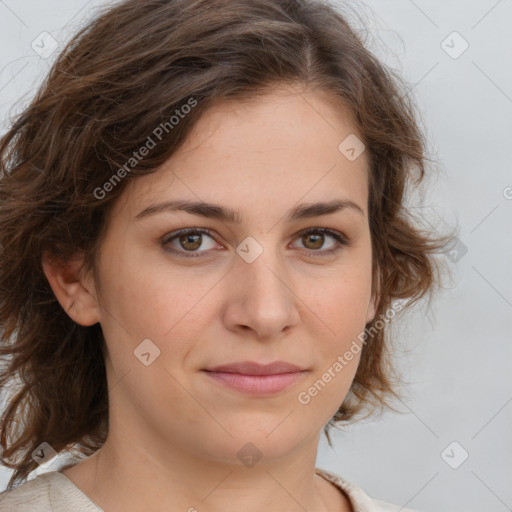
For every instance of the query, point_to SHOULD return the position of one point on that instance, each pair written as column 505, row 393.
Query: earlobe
column 75, row 292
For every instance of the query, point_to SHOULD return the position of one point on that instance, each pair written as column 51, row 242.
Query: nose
column 262, row 297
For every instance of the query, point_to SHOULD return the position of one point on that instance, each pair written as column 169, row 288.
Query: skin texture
column 174, row 433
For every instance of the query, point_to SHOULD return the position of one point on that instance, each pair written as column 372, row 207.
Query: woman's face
column 254, row 289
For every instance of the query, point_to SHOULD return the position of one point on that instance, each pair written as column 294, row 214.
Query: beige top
column 54, row 492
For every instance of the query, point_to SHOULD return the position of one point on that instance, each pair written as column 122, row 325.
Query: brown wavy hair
column 122, row 75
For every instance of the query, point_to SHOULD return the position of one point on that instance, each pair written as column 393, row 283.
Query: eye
column 314, row 238
column 187, row 242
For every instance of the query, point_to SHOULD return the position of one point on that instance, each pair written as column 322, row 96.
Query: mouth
column 256, row 378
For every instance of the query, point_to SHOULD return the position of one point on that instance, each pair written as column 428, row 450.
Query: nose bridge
column 266, row 273
column 266, row 301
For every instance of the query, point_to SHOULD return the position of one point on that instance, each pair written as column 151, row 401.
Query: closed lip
column 254, row 368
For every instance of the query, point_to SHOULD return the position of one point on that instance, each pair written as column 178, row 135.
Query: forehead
column 278, row 148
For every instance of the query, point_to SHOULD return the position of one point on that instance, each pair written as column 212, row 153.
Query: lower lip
column 256, row 384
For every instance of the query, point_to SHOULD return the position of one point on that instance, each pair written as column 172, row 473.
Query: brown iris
column 318, row 240
column 189, row 238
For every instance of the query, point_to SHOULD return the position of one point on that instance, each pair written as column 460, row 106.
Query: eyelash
column 339, row 237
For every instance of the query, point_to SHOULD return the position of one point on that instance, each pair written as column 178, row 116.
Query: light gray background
column 459, row 367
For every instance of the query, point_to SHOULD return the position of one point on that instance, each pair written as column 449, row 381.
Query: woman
column 203, row 242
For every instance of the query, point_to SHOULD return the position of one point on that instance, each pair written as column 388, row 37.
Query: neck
column 117, row 479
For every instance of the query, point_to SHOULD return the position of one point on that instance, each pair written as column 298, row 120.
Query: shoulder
column 359, row 500
column 32, row 496
column 51, row 491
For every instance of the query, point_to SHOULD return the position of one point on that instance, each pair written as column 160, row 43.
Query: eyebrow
column 214, row 211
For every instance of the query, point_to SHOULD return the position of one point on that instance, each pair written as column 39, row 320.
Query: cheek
column 151, row 302
column 342, row 307
column 342, row 311
column 343, row 300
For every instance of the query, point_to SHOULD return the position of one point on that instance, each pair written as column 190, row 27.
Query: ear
column 75, row 292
